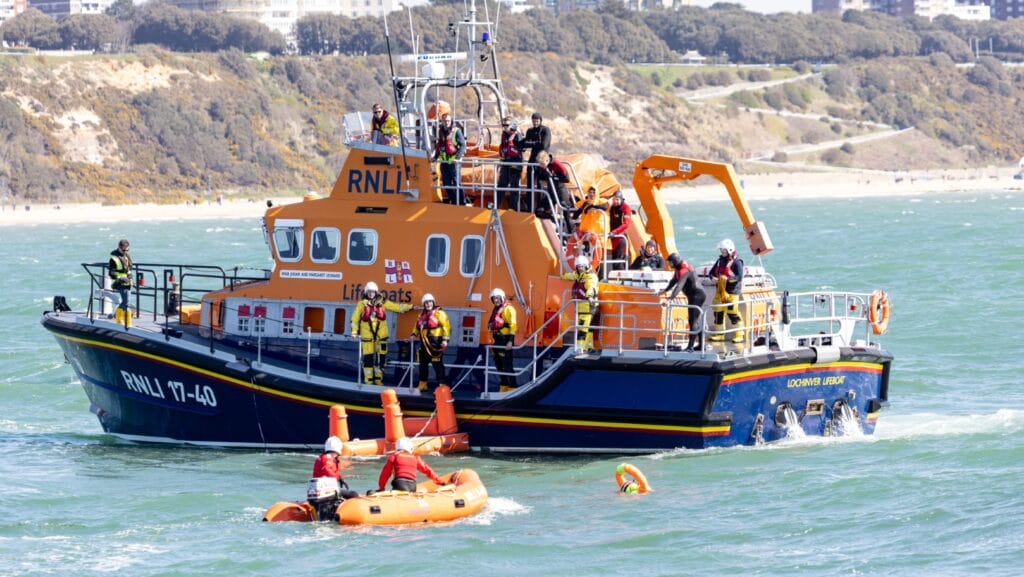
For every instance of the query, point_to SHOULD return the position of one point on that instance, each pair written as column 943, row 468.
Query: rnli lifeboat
column 257, row 359
column 460, row 494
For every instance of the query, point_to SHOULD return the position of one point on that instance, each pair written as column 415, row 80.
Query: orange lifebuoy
column 637, row 485
column 878, row 312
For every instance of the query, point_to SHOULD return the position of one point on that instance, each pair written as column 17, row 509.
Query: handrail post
column 309, row 349
column 259, row 347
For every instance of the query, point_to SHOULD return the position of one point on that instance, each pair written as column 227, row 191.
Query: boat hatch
column 814, row 407
column 371, row 210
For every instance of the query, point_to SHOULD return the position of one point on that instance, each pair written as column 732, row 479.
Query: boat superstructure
column 256, row 358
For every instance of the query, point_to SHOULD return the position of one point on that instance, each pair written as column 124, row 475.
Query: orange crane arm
column 650, row 174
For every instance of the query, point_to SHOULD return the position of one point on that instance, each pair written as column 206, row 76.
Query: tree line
column 157, row 23
column 609, row 35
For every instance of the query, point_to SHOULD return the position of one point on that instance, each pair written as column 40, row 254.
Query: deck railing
column 791, row 320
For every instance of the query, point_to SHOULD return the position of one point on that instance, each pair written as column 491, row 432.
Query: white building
column 972, row 11
column 58, row 9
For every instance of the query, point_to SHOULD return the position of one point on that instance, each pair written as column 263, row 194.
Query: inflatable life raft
column 461, row 494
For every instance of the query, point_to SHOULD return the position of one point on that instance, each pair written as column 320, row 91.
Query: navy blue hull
column 150, row 389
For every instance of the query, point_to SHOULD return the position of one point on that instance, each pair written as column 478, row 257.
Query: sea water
column 936, row 491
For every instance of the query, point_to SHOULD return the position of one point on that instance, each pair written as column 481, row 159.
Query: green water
column 937, row 491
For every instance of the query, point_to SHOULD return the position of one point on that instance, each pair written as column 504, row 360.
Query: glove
column 592, row 302
column 370, row 492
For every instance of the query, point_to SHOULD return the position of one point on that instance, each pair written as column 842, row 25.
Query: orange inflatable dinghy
column 462, row 494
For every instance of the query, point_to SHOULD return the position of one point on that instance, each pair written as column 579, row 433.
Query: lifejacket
column 427, row 320
column 618, row 217
column 723, row 267
column 559, row 172
column 378, row 124
column 406, row 465
column 684, row 268
column 373, row 309
column 579, row 290
column 121, row 266
column 497, row 322
column 508, row 150
column 326, row 465
column 445, row 147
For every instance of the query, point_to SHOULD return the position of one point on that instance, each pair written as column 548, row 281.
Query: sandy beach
column 831, row 184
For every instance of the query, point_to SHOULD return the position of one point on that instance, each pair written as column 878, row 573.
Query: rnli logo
column 377, row 181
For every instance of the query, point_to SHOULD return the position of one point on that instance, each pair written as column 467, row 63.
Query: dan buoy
column 638, row 484
column 878, row 312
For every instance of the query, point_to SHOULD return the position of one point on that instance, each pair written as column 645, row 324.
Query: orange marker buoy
column 639, row 483
column 393, row 427
column 338, row 423
column 446, row 424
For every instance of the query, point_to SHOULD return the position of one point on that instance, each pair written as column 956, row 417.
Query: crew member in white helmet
column 728, row 275
column 584, row 292
column 404, row 465
column 502, row 325
column 370, row 324
column 432, row 330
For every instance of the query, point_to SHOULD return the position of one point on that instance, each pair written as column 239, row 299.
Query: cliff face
column 165, row 127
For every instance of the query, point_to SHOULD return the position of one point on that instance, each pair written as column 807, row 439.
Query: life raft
column 878, row 312
column 638, row 484
column 461, row 494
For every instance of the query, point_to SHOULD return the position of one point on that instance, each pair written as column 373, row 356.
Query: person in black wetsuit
column 684, row 279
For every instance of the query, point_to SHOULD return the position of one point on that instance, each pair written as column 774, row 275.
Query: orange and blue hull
column 148, row 388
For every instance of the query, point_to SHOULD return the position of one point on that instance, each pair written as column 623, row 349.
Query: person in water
column 684, row 279
column 404, row 465
column 502, row 325
column 728, row 275
column 432, row 330
column 328, row 464
column 370, row 324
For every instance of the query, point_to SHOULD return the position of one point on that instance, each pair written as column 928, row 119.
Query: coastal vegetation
column 157, row 123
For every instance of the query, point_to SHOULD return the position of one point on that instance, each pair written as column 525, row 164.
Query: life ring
column 637, row 485
column 878, row 312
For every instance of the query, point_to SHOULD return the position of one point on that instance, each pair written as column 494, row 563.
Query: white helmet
column 427, row 297
column 371, row 286
column 583, row 261
column 404, row 444
column 333, row 444
column 497, row 292
column 726, row 245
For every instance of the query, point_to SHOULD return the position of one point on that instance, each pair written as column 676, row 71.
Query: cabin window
column 244, row 315
column 362, row 246
column 288, row 243
column 288, row 321
column 325, row 244
column 259, row 320
column 339, row 321
column 472, row 262
column 313, row 317
column 437, row 255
